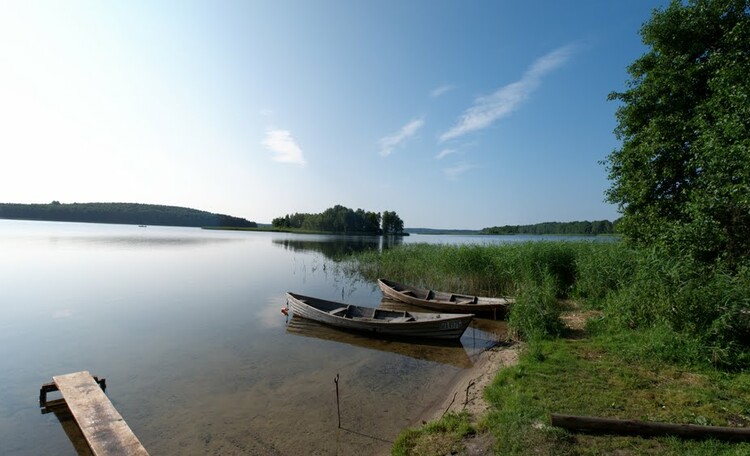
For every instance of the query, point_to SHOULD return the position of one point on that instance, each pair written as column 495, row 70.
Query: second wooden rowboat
column 444, row 301
column 379, row 322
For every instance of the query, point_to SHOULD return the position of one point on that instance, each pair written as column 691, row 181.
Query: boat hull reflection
column 492, row 332
column 443, row 352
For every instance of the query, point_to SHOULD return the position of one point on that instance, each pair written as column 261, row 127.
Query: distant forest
column 585, row 227
column 340, row 219
column 123, row 213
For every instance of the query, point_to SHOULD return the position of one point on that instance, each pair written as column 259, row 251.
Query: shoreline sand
column 467, row 389
column 468, row 386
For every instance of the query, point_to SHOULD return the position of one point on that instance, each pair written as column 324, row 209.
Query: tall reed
column 668, row 308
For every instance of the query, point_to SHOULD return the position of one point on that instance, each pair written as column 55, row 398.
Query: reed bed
column 673, row 309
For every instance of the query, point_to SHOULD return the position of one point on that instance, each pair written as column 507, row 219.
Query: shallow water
column 185, row 325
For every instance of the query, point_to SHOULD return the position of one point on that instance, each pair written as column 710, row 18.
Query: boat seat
column 340, row 312
column 401, row 319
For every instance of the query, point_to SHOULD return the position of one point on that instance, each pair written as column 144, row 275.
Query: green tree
column 392, row 223
column 682, row 175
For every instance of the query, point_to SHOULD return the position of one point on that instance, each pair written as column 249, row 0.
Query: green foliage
column 339, row 219
column 392, row 223
column 125, row 213
column 584, row 228
column 688, row 304
column 682, row 175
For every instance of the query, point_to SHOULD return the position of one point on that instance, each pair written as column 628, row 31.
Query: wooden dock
column 105, row 431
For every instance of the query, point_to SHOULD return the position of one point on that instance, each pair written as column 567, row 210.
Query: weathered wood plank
column 644, row 428
column 105, row 430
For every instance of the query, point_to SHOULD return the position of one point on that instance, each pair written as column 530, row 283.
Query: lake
column 185, row 325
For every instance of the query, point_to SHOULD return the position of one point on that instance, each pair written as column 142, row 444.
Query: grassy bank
column 669, row 341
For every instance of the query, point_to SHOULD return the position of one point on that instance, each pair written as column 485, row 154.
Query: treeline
column 584, row 227
column 340, row 219
column 123, row 213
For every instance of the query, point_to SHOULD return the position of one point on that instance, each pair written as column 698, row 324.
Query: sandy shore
column 466, row 392
column 468, row 388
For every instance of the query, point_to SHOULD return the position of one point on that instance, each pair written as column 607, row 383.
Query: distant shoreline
column 120, row 213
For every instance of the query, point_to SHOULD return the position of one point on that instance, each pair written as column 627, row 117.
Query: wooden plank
column 105, row 430
column 340, row 311
column 644, row 428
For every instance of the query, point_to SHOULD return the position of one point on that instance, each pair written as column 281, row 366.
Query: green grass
column 588, row 377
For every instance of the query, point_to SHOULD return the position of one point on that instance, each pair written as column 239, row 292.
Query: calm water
column 185, row 324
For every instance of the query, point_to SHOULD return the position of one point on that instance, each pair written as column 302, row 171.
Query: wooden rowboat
column 379, row 322
column 444, row 301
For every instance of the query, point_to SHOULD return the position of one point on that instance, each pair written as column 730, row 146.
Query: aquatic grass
column 603, row 270
column 691, row 313
column 536, row 312
column 478, row 269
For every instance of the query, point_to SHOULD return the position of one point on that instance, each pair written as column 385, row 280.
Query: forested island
column 585, row 227
column 122, row 213
column 340, row 219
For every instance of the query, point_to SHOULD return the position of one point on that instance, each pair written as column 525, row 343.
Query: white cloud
column 454, row 172
column 444, row 153
column 283, row 145
column 388, row 143
column 438, row 91
column 507, row 99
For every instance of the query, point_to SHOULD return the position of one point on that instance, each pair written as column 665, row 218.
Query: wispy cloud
column 285, row 148
column 454, row 172
column 507, row 99
column 389, row 143
column 438, row 91
column 444, row 153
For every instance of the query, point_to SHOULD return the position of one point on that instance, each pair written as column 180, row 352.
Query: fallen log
column 599, row 425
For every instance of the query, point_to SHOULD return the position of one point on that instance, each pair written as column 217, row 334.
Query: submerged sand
column 467, row 392
column 467, row 389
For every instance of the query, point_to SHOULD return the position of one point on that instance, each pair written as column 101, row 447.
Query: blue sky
column 453, row 114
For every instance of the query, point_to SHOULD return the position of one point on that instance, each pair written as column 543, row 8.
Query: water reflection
column 482, row 331
column 71, row 428
column 336, row 247
column 451, row 353
column 135, row 242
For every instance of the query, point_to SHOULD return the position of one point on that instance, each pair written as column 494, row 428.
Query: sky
column 454, row 114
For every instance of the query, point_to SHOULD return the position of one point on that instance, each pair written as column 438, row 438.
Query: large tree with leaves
column 392, row 223
column 682, row 175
